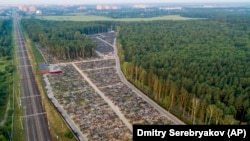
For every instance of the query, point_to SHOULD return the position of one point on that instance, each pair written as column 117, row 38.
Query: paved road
column 137, row 91
column 34, row 118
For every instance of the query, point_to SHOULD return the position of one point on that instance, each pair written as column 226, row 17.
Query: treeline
column 5, row 55
column 6, row 72
column 134, row 13
column 184, row 12
column 65, row 40
column 5, row 38
column 197, row 69
column 216, row 13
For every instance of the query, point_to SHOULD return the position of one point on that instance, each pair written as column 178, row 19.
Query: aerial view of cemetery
column 91, row 92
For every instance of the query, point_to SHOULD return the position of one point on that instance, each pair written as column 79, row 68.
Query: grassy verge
column 58, row 128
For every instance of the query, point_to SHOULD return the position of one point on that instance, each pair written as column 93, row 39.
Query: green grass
column 83, row 17
column 39, row 58
column 2, row 63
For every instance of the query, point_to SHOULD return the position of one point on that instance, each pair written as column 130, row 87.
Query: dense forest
column 182, row 11
column 5, row 38
column 65, row 40
column 133, row 13
column 197, row 69
column 5, row 55
column 6, row 72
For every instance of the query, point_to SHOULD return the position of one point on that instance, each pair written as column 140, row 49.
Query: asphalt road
column 170, row 116
column 34, row 117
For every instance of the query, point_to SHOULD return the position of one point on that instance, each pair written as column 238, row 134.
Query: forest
column 6, row 72
column 5, row 67
column 65, row 40
column 184, row 11
column 133, row 13
column 5, row 38
column 197, row 69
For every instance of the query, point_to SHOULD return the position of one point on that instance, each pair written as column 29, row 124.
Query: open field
column 101, row 18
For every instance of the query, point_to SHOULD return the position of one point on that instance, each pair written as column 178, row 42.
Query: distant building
column 107, row 7
column 38, row 12
column 26, row 8
column 23, row 8
column 32, row 9
column 170, row 8
column 140, row 6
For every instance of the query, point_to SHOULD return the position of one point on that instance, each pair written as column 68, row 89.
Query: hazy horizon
column 114, row 1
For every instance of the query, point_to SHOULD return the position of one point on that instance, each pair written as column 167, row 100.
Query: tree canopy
column 188, row 66
column 6, row 71
column 65, row 40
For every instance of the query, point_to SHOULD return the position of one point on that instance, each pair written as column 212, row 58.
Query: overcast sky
column 109, row 1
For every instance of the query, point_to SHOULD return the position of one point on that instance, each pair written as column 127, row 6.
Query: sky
column 110, row 1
